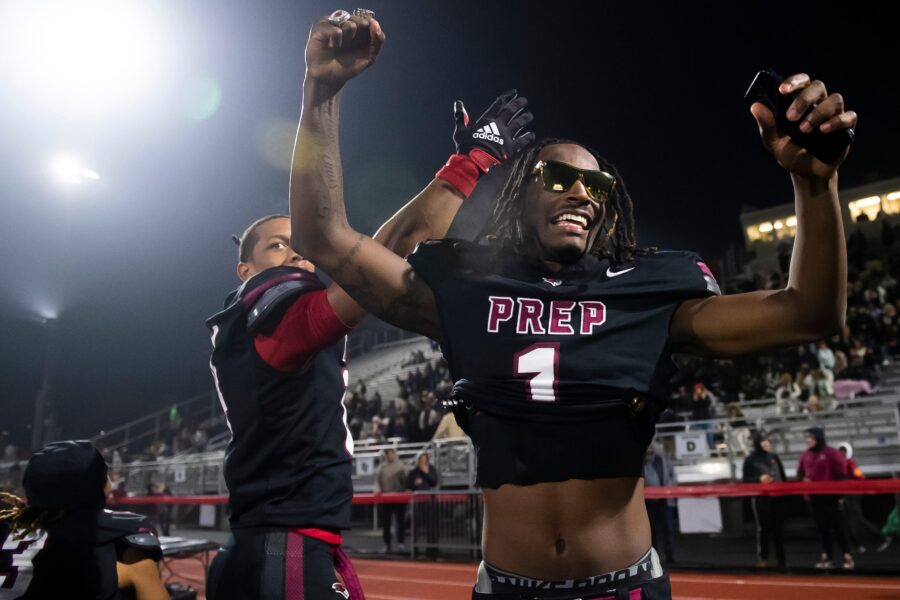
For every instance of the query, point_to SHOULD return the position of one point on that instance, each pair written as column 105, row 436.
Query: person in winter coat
column 763, row 466
column 821, row 462
column 856, row 520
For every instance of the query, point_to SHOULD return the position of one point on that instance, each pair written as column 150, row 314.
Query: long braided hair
column 26, row 520
column 617, row 242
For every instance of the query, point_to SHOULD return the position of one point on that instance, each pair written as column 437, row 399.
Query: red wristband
column 461, row 172
column 484, row 160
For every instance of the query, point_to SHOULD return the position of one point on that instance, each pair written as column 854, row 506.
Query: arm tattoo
column 347, row 260
column 413, row 310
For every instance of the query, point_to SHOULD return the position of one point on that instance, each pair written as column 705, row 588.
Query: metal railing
column 871, row 425
column 140, row 433
column 440, row 522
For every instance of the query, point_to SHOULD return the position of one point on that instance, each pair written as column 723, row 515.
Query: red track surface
column 405, row 580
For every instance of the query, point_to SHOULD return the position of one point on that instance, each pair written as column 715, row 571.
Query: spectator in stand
column 681, row 399
column 702, row 410
column 815, row 405
column 376, row 432
column 401, row 386
column 855, row 519
column 787, row 395
column 658, row 471
column 821, row 462
column 425, row 478
column 390, row 478
column 823, row 383
column 825, row 357
column 117, row 487
column 199, row 439
column 764, row 466
column 429, row 418
column 163, row 511
column 398, row 428
column 154, row 452
column 738, row 434
column 448, row 427
column 806, row 380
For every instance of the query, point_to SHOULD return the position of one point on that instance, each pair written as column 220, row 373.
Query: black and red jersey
column 75, row 557
column 289, row 459
column 563, row 374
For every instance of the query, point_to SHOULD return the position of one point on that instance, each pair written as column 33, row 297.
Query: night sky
column 132, row 264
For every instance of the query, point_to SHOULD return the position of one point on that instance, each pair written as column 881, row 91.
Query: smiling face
column 272, row 249
column 559, row 227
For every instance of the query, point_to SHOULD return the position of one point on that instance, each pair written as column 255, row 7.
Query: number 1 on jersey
column 542, row 362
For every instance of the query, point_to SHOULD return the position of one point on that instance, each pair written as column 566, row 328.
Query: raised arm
column 813, row 305
column 373, row 276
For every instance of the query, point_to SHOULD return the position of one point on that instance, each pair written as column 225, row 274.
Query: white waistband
column 483, row 582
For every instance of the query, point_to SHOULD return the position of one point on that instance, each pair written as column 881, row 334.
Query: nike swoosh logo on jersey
column 610, row 273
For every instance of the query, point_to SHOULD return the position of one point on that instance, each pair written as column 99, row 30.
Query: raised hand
column 337, row 53
column 828, row 115
column 497, row 134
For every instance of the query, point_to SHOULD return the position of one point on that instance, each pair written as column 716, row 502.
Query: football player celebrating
column 559, row 331
column 278, row 357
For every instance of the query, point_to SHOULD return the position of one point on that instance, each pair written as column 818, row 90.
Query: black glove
column 497, row 134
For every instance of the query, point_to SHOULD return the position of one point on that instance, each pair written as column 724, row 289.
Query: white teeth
column 573, row 218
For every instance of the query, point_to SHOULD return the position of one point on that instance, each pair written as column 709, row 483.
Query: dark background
column 134, row 264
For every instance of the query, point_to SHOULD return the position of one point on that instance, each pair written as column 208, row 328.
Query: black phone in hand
column 827, row 147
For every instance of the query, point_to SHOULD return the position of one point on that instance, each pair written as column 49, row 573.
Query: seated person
column 83, row 551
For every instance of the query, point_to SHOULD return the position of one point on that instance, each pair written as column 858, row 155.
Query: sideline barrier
column 866, row 486
column 713, row 525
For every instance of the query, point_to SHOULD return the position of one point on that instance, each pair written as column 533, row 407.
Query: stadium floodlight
column 68, row 170
column 82, row 59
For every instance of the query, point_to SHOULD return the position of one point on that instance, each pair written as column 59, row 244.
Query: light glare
column 68, row 170
column 82, row 58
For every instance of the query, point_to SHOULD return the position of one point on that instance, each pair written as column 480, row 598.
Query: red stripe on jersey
column 308, row 326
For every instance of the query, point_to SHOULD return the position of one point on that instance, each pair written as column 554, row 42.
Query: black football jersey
column 76, row 557
column 288, row 462
column 568, row 367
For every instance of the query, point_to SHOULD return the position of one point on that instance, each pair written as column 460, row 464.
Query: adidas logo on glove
column 490, row 133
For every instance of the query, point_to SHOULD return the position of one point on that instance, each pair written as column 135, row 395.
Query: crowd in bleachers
column 808, row 378
column 178, row 436
column 414, row 415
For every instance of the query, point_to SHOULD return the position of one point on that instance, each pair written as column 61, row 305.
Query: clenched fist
column 337, row 53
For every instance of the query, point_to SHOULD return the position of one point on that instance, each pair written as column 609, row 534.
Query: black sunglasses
column 558, row 177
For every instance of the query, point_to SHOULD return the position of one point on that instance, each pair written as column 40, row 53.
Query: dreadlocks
column 23, row 519
column 617, row 243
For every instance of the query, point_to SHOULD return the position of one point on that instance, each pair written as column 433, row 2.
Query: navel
column 560, row 546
